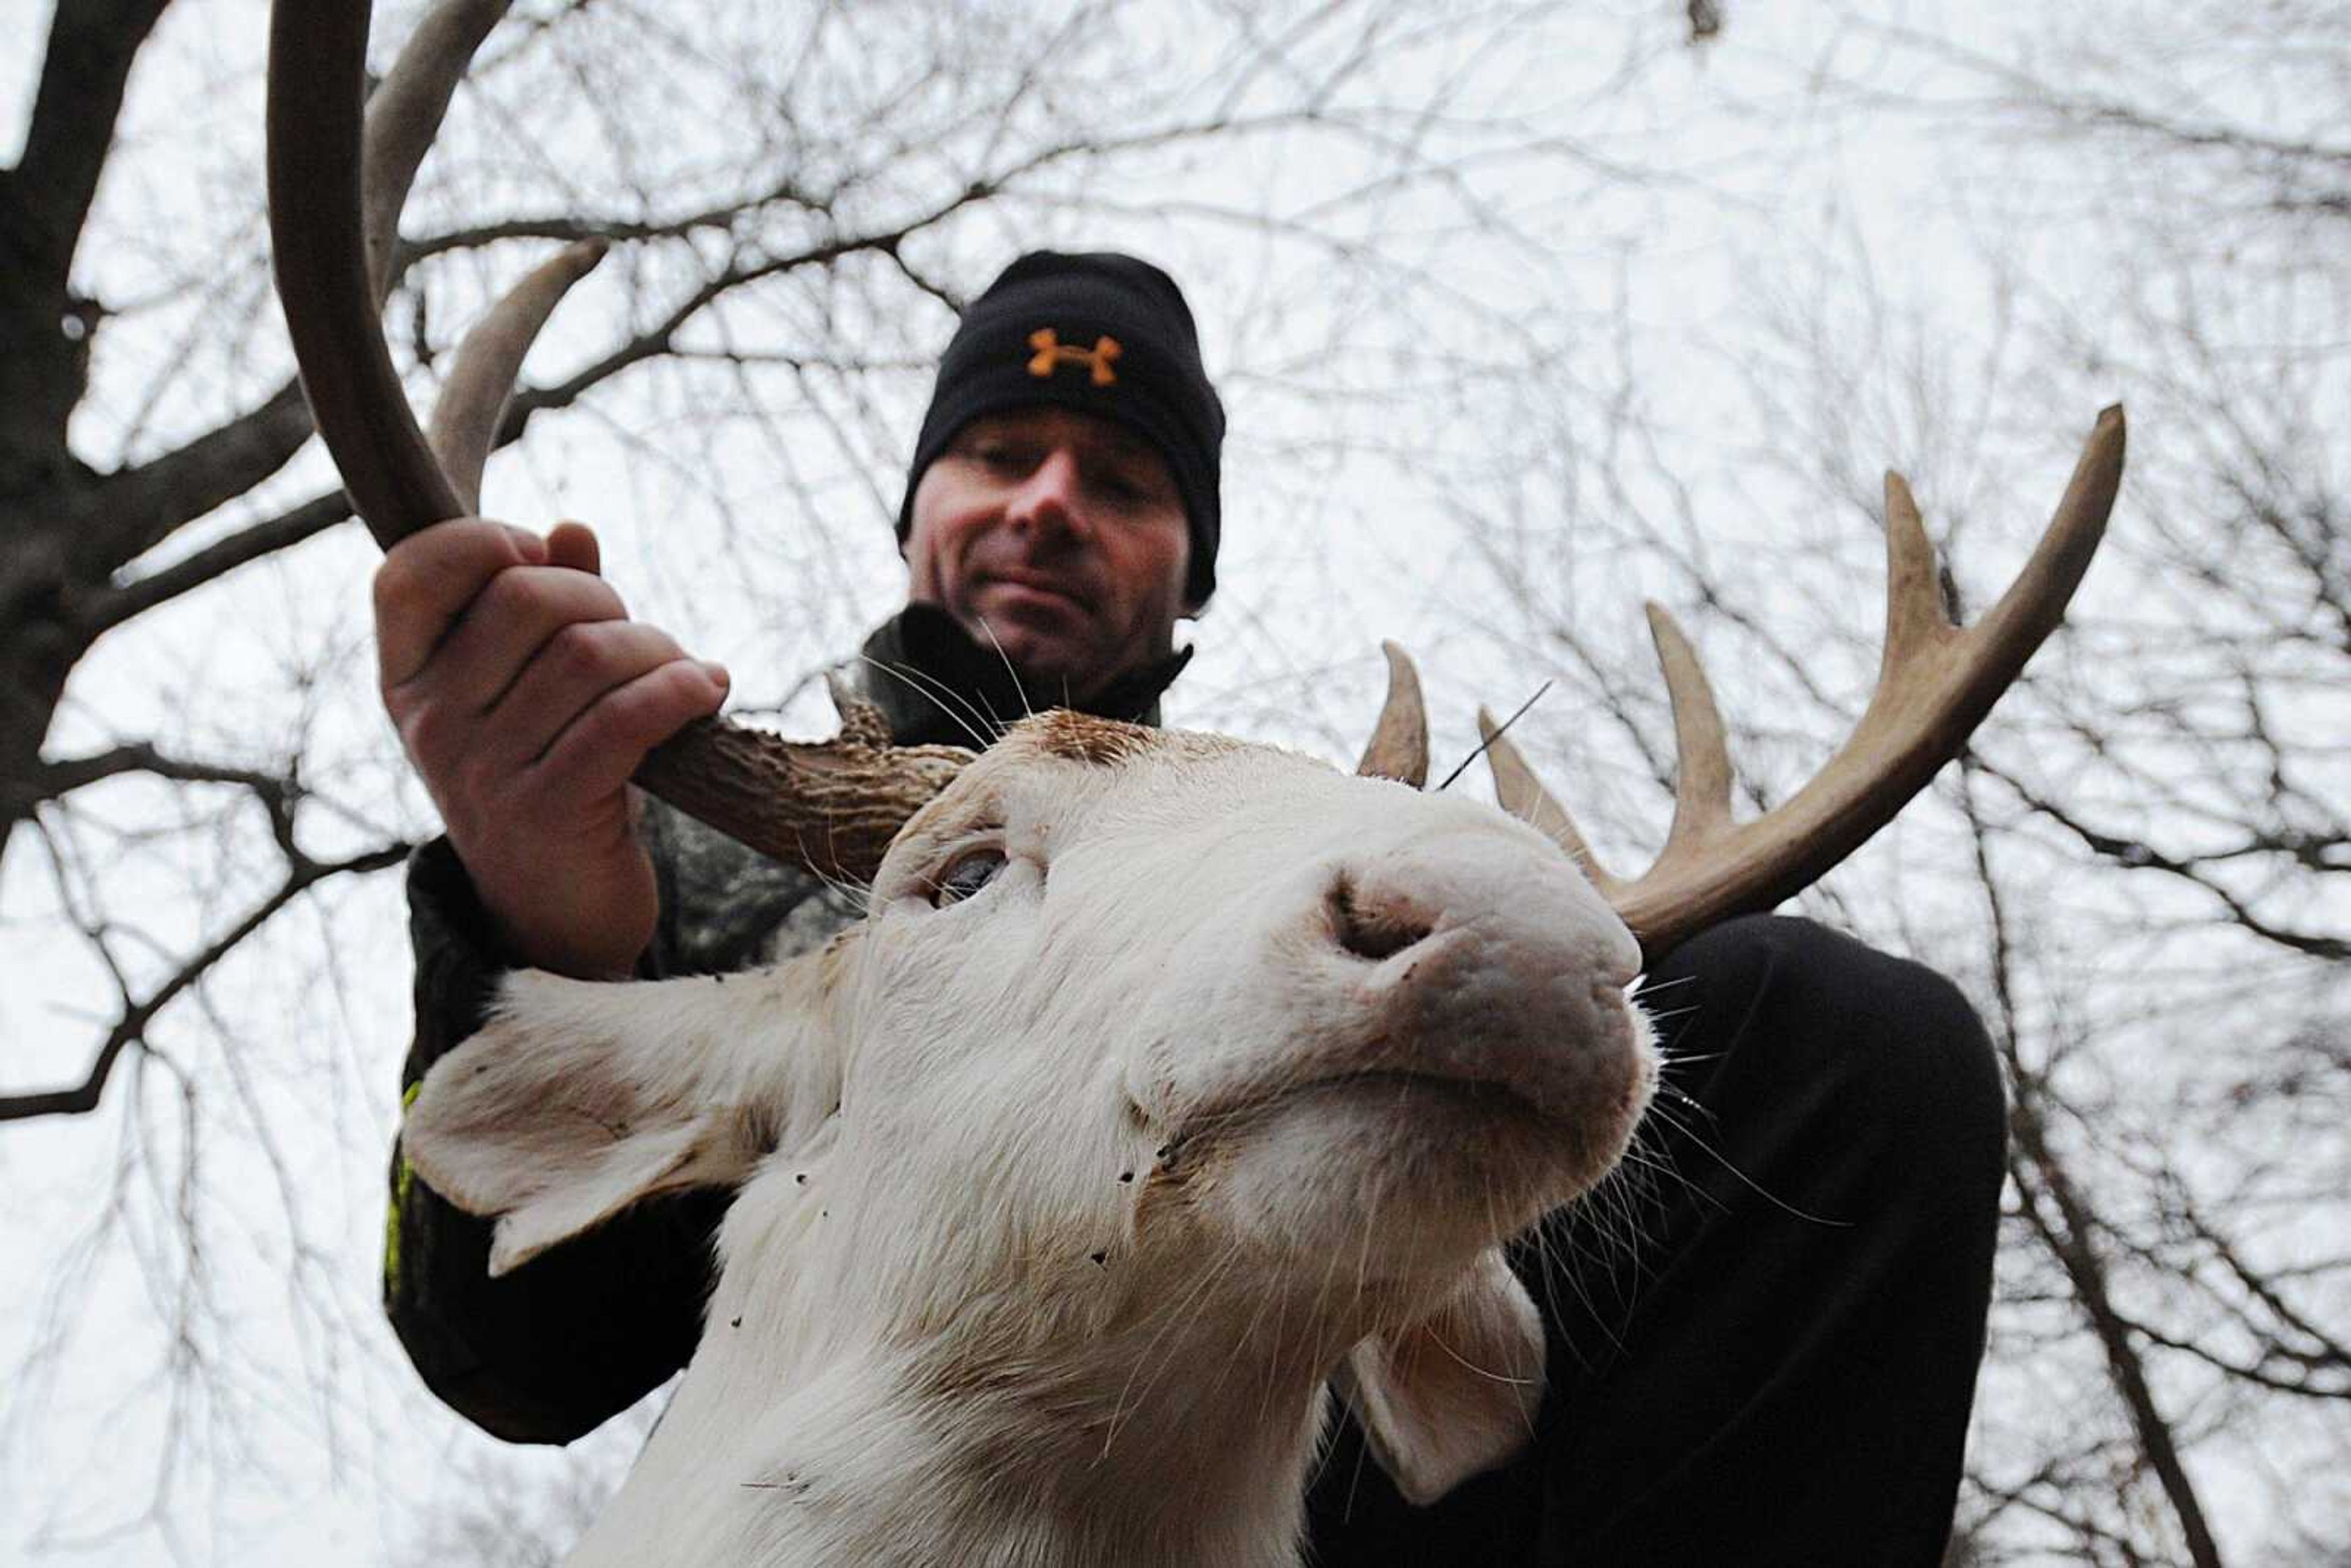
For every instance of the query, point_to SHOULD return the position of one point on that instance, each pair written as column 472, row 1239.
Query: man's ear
column 581, row 1098
column 1455, row 1393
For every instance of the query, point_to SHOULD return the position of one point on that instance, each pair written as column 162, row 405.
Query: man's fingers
column 427, row 580
column 581, row 665
column 600, row 749
column 575, row 545
column 502, row 632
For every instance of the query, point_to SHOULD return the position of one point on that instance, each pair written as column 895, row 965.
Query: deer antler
column 1935, row 682
column 481, row 382
column 1399, row 743
column 833, row 808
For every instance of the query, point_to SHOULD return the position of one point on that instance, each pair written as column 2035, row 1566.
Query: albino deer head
column 1166, row 1078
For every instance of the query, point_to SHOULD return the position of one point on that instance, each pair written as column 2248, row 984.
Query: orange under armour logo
column 1050, row 354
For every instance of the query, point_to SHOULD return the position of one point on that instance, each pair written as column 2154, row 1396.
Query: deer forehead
column 1058, row 773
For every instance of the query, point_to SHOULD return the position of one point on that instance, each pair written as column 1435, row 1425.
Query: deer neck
column 797, row 1441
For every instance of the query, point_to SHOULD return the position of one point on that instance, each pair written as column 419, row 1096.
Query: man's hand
column 525, row 698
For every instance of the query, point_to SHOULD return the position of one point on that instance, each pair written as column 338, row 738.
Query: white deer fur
column 1059, row 1207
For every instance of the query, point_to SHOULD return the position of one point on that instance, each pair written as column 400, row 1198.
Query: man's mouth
column 1034, row 585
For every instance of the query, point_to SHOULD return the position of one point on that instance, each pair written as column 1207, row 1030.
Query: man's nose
column 1050, row 496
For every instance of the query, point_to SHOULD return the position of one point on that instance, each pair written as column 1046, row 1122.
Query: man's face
column 1059, row 537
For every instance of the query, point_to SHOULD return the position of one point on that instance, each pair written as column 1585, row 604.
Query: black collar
column 936, row 685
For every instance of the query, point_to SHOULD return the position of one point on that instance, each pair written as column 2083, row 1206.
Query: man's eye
column 1002, row 458
column 965, row 877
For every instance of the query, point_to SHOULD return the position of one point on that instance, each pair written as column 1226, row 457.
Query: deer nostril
column 1372, row 927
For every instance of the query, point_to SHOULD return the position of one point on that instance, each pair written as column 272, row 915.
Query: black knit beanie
column 1100, row 333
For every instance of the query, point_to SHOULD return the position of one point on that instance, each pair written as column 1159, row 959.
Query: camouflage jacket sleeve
column 580, row 1334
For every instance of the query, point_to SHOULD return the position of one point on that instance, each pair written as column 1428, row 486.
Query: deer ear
column 581, row 1098
column 1454, row 1393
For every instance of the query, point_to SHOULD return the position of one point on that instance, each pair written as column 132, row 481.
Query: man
column 1764, row 1342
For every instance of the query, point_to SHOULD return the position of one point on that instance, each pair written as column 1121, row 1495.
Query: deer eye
column 964, row 875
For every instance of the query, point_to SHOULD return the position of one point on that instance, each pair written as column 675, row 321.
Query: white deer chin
column 1169, row 1082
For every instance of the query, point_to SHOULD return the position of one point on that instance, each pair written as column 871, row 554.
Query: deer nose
column 1477, row 889
column 1373, row 923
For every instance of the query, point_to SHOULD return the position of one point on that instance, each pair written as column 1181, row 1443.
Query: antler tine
column 1399, row 744
column 1522, row 795
column 1935, row 682
column 405, row 116
column 1702, row 755
column 474, row 400
column 1916, row 620
column 830, row 808
column 2035, row 603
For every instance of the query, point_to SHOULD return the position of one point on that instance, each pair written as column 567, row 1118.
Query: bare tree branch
column 121, row 515
column 44, row 202
column 131, row 1030
column 2313, row 852
column 251, row 543
column 2058, row 1215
